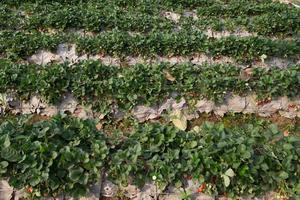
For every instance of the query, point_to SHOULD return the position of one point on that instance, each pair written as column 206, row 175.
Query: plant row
column 172, row 4
column 265, row 18
column 268, row 24
column 102, row 86
column 90, row 18
column 15, row 44
column 63, row 154
column 236, row 8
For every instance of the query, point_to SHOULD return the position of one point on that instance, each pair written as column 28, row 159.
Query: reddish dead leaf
column 169, row 76
column 101, row 54
column 192, row 94
column 201, row 188
column 217, row 57
column 263, row 102
column 77, row 111
column 292, row 106
column 29, row 189
column 282, row 196
column 248, row 71
column 99, row 126
column 286, row 133
column 46, row 195
column 224, row 196
column 188, row 177
column 214, row 180
column 101, row 116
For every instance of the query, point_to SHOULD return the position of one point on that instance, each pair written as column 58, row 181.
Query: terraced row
column 16, row 45
column 140, row 4
column 103, row 86
column 64, row 154
column 265, row 17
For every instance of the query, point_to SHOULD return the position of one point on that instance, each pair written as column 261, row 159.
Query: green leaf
column 246, row 155
column 226, row 180
column 230, row 173
column 84, row 179
column 75, row 174
column 274, row 129
column 283, row 175
column 193, row 144
column 79, row 190
column 54, row 183
column 287, row 147
column 243, row 170
column 4, row 164
column 10, row 154
column 178, row 184
column 43, row 132
column 6, row 143
column 179, row 120
column 54, row 154
column 34, row 181
column 3, row 167
column 264, row 166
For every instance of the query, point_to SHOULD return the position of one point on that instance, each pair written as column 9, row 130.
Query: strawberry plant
column 18, row 44
column 94, row 18
column 52, row 156
column 236, row 161
column 265, row 18
column 234, row 8
column 63, row 154
column 101, row 86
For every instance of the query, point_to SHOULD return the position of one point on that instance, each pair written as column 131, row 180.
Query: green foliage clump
column 103, row 86
column 64, row 154
column 250, row 159
column 18, row 45
column 52, row 156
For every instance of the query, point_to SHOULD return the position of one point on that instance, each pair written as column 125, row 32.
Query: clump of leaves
column 104, row 86
column 262, row 17
column 162, row 43
column 52, row 156
column 251, row 159
column 63, row 154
